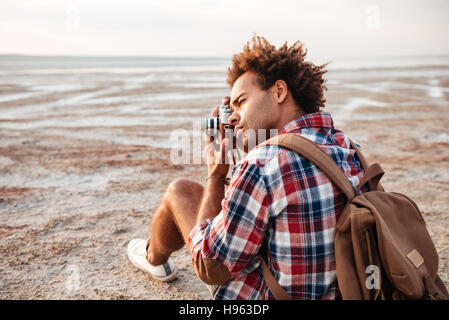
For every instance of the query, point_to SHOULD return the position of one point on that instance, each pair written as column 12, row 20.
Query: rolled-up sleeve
column 223, row 247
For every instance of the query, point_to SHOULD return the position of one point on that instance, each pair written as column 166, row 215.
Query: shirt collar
column 311, row 120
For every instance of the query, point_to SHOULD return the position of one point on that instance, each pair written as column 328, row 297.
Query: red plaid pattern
column 281, row 205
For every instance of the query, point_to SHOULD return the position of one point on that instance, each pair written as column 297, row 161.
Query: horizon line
column 200, row 57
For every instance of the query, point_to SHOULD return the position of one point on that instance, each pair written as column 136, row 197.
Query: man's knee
column 183, row 199
column 184, row 187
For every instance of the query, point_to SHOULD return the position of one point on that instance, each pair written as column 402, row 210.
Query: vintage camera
column 219, row 125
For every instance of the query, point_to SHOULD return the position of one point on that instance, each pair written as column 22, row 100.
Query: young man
column 278, row 203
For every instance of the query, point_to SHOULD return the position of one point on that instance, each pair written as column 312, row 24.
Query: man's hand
column 217, row 150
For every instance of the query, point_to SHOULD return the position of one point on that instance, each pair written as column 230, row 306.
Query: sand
column 82, row 169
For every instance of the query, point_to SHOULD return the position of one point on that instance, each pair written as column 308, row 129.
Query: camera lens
column 212, row 126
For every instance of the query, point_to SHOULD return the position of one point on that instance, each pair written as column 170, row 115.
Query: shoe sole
column 168, row 278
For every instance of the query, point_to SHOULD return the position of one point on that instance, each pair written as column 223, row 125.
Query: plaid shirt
column 283, row 206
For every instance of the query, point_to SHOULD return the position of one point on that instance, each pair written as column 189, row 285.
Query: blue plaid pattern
column 281, row 205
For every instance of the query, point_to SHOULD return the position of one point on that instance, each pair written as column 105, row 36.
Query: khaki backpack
column 382, row 247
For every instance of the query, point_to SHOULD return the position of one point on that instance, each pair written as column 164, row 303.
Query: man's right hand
column 216, row 150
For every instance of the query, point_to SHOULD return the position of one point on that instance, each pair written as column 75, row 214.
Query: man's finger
column 215, row 112
column 224, row 148
column 225, row 100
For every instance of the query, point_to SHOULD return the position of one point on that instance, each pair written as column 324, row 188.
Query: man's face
column 253, row 108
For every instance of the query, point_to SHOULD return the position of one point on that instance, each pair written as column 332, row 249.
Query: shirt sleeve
column 234, row 237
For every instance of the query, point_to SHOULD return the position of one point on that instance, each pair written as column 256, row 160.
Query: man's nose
column 234, row 118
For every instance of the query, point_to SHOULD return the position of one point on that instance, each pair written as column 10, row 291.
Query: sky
column 219, row 28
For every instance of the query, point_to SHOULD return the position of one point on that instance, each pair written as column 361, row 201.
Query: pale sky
column 219, row 28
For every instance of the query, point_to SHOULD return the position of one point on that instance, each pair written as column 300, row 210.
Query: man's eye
column 241, row 101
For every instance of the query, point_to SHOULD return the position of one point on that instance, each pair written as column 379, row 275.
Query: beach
column 86, row 154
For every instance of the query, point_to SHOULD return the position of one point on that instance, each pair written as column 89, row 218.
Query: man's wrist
column 218, row 178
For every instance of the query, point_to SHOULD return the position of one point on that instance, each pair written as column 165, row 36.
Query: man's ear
column 280, row 91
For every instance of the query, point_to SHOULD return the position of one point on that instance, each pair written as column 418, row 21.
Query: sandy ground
column 74, row 193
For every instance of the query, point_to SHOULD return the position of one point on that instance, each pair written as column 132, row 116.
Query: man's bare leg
column 174, row 219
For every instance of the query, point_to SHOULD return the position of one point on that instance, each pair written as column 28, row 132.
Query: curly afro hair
column 304, row 79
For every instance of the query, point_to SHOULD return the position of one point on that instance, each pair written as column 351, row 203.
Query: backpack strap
column 359, row 154
column 278, row 292
column 372, row 185
column 371, row 176
column 315, row 154
column 321, row 159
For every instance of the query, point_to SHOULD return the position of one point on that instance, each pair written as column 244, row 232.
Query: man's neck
column 289, row 117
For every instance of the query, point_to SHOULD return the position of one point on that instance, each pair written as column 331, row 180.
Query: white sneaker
column 137, row 254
